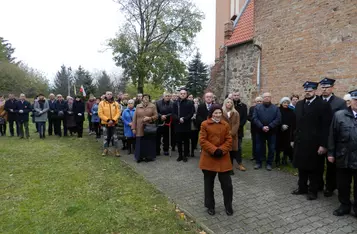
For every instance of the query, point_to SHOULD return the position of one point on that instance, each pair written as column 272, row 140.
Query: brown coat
column 233, row 122
column 3, row 113
column 140, row 113
column 213, row 136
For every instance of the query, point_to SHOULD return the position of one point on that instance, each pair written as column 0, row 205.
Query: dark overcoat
column 312, row 129
column 78, row 110
column 183, row 109
column 11, row 105
column 25, row 106
column 337, row 104
column 283, row 138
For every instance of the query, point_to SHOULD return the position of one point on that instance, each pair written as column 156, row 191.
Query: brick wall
column 306, row 40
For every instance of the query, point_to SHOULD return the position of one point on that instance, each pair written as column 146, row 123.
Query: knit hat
column 285, row 99
column 213, row 108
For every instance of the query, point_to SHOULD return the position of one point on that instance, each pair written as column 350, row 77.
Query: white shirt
column 327, row 98
column 354, row 113
column 311, row 100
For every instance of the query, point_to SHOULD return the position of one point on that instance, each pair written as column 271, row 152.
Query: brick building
column 277, row 45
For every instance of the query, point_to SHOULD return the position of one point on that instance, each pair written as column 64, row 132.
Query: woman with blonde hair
column 231, row 116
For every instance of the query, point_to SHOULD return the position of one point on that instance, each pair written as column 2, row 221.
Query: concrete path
column 262, row 201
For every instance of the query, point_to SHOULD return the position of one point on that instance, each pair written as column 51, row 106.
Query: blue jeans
column 261, row 139
column 41, row 127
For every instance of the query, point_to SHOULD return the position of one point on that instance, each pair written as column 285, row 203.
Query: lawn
column 64, row 185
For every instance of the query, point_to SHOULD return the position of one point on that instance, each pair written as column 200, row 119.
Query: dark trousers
column 183, row 137
column 262, row 139
column 11, row 127
column 41, row 129
column 288, row 153
column 3, row 129
column 131, row 144
column 90, row 124
column 234, row 155
column 96, row 127
column 331, row 183
column 344, row 180
column 194, row 140
column 58, row 127
column 51, row 125
column 24, row 129
column 226, row 185
column 254, row 143
column 311, row 176
column 240, row 141
column 173, row 137
column 79, row 128
column 162, row 133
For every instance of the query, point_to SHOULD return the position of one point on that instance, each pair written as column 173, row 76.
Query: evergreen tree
column 61, row 81
column 197, row 76
column 83, row 77
column 104, row 83
column 6, row 51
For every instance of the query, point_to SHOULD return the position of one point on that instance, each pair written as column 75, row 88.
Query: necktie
column 356, row 117
column 325, row 100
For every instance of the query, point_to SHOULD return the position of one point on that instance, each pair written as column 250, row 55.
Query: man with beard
column 313, row 117
column 182, row 112
column 10, row 107
column 267, row 118
column 336, row 103
column 164, row 110
column 243, row 114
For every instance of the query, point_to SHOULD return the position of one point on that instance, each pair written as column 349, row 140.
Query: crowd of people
column 314, row 134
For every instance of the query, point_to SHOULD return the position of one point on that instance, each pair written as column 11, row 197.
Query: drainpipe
column 258, row 68
column 225, row 71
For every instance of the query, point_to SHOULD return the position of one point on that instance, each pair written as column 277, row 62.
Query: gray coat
column 343, row 139
column 43, row 116
column 337, row 104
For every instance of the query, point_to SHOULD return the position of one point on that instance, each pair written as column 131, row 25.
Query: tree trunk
column 140, row 87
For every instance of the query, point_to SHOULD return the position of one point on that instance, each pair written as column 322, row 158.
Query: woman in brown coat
column 145, row 147
column 231, row 116
column 216, row 143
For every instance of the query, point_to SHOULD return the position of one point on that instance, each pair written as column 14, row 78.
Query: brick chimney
column 228, row 30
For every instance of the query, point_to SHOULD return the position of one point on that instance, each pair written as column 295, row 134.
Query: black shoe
column 252, row 159
column 184, row 159
column 229, row 211
column 311, row 196
column 179, row 159
column 192, row 155
column 231, row 172
column 211, row 212
column 341, row 211
column 328, row 193
column 298, row 192
column 139, row 161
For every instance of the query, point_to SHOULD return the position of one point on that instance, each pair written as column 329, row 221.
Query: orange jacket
column 213, row 136
column 108, row 111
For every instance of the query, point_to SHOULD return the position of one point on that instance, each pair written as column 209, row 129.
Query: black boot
column 184, row 159
column 129, row 146
column 179, row 158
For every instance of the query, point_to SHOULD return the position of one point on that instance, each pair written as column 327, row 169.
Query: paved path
column 262, row 201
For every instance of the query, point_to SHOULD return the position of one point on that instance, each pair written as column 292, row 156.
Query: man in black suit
column 203, row 109
column 182, row 112
column 10, row 107
column 336, row 103
column 243, row 114
column 313, row 118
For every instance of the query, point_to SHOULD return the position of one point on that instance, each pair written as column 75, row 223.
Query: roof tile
column 244, row 30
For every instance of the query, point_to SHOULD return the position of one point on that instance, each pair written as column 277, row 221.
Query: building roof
column 243, row 26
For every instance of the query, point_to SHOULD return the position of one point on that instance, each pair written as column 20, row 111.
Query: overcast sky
column 49, row 33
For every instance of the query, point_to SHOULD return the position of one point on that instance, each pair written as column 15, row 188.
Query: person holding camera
column 216, row 142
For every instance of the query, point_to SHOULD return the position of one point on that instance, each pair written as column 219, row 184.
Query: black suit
column 10, row 107
column 202, row 114
column 312, row 128
column 336, row 104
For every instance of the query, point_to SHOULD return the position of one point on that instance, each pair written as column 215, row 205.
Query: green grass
column 64, row 185
column 247, row 155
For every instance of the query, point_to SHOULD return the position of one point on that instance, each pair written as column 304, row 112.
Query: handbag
column 150, row 129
